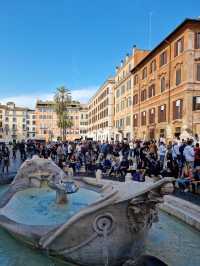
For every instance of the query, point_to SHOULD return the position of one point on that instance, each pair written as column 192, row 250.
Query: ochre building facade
column 157, row 93
column 47, row 122
column 166, row 91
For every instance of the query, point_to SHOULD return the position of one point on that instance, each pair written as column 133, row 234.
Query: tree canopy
column 62, row 101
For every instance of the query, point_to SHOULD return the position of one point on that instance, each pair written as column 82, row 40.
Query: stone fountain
column 81, row 221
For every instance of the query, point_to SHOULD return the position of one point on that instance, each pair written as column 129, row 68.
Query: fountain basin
column 101, row 224
column 37, row 206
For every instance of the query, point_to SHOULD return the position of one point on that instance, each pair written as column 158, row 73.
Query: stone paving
column 14, row 166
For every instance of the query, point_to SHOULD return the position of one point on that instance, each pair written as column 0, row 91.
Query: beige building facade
column 47, row 122
column 101, row 113
column 16, row 123
column 123, row 95
column 83, row 121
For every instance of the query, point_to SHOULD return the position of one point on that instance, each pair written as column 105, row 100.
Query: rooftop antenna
column 150, row 30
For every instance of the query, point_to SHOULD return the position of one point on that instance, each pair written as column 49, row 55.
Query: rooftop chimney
column 134, row 47
column 127, row 57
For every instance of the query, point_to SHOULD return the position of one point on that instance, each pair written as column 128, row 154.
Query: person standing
column 197, row 155
column 189, row 154
column 60, row 155
column 162, row 151
column 14, row 151
column 5, row 159
column 22, row 149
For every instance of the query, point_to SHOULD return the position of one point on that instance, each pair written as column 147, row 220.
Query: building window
column 117, row 108
column 143, row 118
column 162, row 133
column 129, row 102
column 178, row 76
column 152, row 91
column 162, row 113
column 118, row 93
column 128, row 120
column 163, row 58
column 122, row 105
column 198, row 71
column 152, row 66
column 143, row 95
column 177, row 109
column 152, row 116
column 136, row 79
column 135, row 99
column 144, row 73
column 178, row 47
column 135, row 120
column 197, row 40
column 121, row 123
column 162, row 84
column 122, row 90
column 129, row 84
column 196, row 103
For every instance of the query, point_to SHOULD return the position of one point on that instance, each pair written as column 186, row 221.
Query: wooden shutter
column 149, row 92
column 195, row 40
column 165, row 111
column 159, row 114
column 198, row 71
column 174, row 110
column 175, row 49
column 181, row 108
column 182, row 44
column 154, row 90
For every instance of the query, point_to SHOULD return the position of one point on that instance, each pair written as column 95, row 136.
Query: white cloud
column 29, row 100
column 83, row 95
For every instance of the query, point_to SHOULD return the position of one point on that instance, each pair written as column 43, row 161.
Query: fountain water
column 99, row 224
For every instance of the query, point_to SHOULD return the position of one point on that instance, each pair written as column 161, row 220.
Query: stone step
column 183, row 204
column 186, row 211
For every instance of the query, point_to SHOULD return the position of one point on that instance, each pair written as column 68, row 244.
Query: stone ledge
column 183, row 210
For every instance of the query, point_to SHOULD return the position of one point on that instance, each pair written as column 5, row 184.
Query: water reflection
column 174, row 242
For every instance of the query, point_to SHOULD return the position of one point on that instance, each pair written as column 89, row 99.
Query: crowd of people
column 179, row 158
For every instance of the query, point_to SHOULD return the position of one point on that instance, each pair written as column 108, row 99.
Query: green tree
column 62, row 101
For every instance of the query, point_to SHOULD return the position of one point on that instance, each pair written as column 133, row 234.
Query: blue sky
column 77, row 43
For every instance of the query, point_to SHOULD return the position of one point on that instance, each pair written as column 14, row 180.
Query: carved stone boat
column 101, row 224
